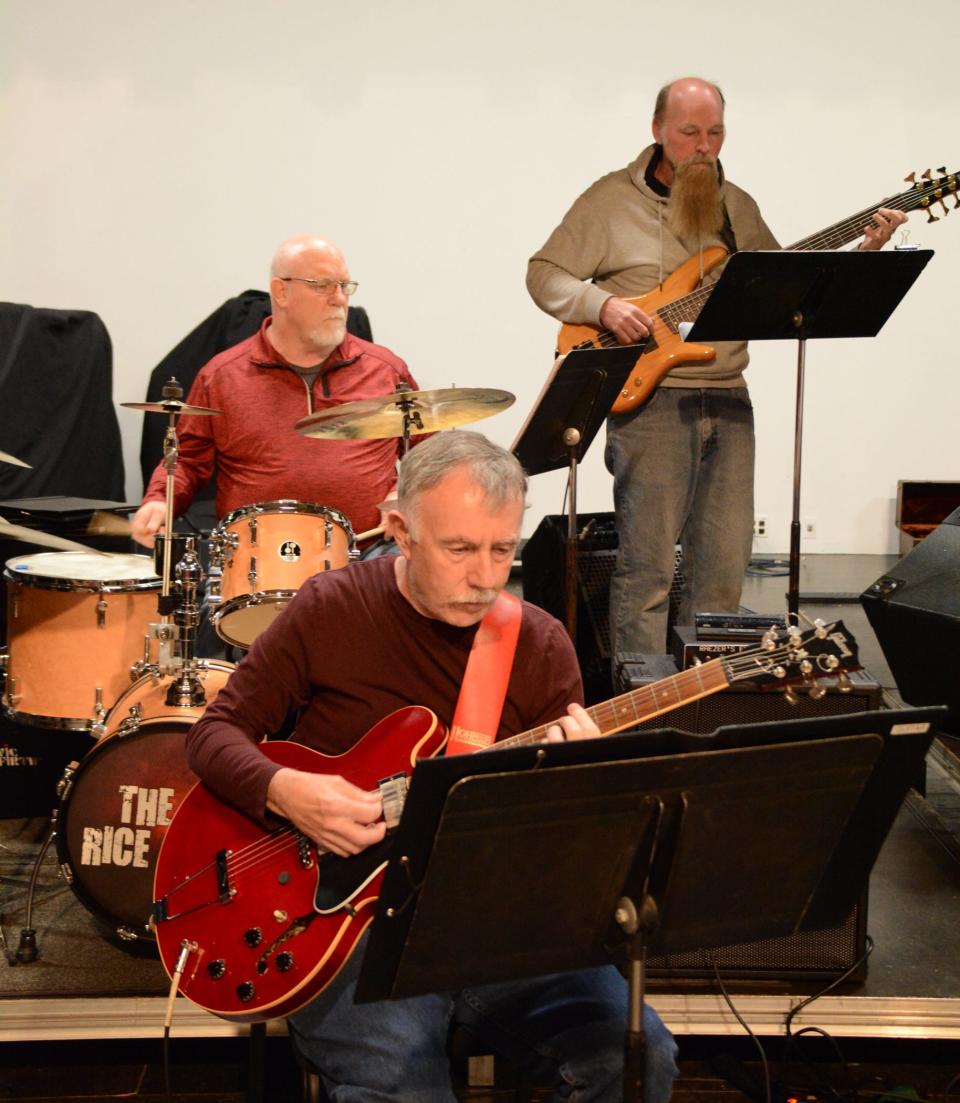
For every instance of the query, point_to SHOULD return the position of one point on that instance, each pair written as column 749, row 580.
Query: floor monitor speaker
column 914, row 609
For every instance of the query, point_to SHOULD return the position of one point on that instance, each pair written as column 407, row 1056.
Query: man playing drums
column 301, row 360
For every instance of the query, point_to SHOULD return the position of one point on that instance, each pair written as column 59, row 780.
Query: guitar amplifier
column 688, row 646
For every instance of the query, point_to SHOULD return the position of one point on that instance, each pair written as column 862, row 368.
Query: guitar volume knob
column 253, row 936
column 285, row 961
column 217, row 968
column 246, row 991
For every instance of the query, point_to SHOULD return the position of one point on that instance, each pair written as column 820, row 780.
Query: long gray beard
column 695, row 210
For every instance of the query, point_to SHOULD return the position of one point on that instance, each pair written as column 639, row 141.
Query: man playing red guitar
column 682, row 460
column 355, row 645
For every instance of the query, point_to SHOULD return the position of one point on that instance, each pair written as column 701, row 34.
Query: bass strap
column 484, row 686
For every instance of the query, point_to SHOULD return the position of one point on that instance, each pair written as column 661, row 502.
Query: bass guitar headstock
column 928, row 191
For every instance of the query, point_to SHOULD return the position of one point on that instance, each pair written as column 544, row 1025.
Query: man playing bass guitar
column 353, row 646
column 682, row 458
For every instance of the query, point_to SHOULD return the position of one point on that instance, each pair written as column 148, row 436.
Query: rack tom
column 260, row 555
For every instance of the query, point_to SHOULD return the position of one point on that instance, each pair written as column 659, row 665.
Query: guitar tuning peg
column 911, row 179
column 925, row 175
column 943, row 203
column 817, row 692
column 931, row 217
column 789, row 696
column 843, row 682
column 942, row 170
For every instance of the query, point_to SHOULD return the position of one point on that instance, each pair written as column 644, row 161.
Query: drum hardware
column 404, row 413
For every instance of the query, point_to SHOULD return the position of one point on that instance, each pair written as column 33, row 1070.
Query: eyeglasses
column 324, row 287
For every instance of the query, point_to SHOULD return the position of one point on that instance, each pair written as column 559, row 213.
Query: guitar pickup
column 393, row 793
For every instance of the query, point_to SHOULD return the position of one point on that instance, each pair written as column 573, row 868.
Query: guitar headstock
column 794, row 656
column 929, row 190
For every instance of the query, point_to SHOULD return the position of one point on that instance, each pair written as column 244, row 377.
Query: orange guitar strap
column 484, row 686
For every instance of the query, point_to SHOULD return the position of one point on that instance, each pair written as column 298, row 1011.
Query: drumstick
column 369, row 533
column 104, row 523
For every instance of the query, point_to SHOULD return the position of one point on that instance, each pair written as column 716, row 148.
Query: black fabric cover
column 231, row 323
column 56, row 405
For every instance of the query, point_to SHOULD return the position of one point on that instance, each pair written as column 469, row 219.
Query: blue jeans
column 567, row 1029
column 683, row 473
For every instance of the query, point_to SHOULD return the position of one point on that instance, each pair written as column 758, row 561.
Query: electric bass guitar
column 678, row 299
column 253, row 924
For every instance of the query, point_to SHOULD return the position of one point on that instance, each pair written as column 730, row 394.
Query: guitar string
column 678, row 310
column 255, row 854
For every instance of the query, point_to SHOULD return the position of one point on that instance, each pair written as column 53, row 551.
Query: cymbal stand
column 409, row 412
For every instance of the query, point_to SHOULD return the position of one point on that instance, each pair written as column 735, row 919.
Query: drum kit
column 105, row 643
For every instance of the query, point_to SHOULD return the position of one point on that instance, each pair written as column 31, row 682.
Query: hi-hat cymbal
column 7, row 458
column 171, row 406
column 42, row 539
column 424, row 411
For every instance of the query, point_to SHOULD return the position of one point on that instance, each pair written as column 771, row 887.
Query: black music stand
column 558, row 857
column 769, row 296
column 560, row 427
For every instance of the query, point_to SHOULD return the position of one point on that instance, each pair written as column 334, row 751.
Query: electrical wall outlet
column 808, row 530
column 760, row 527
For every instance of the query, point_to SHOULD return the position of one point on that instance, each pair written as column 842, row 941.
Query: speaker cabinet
column 543, row 559
column 915, row 612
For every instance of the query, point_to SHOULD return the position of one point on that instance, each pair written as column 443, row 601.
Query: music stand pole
column 793, row 585
column 569, row 410
column 571, row 438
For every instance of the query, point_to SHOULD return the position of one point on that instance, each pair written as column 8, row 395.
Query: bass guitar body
column 262, row 920
column 665, row 349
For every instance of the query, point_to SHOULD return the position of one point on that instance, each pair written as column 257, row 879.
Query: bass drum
column 115, row 807
column 146, row 699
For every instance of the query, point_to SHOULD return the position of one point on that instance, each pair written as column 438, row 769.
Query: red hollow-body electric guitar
column 257, row 923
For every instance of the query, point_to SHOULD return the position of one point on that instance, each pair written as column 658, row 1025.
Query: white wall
column 154, row 155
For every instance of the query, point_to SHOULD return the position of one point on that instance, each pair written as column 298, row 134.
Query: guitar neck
column 842, row 233
column 641, row 704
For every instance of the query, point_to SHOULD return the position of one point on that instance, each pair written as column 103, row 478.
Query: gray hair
column 495, row 470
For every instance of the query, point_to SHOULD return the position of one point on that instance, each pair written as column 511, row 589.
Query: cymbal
column 428, row 411
column 171, row 406
column 43, row 539
column 7, row 458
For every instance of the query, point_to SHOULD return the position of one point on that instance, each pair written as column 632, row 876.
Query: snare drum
column 76, row 622
column 146, row 699
column 115, row 807
column 264, row 553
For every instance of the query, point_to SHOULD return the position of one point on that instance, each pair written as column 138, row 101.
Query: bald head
column 298, row 253
column 686, row 90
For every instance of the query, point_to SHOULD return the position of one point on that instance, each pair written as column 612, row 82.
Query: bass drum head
column 113, row 817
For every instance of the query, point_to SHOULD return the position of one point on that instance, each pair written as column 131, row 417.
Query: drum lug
column 127, row 934
column 130, row 724
column 328, row 534
column 10, row 689
column 66, row 872
column 98, row 710
column 252, row 573
column 15, row 603
column 252, row 526
column 102, row 613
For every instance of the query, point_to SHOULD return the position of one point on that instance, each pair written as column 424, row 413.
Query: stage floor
column 87, row 985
